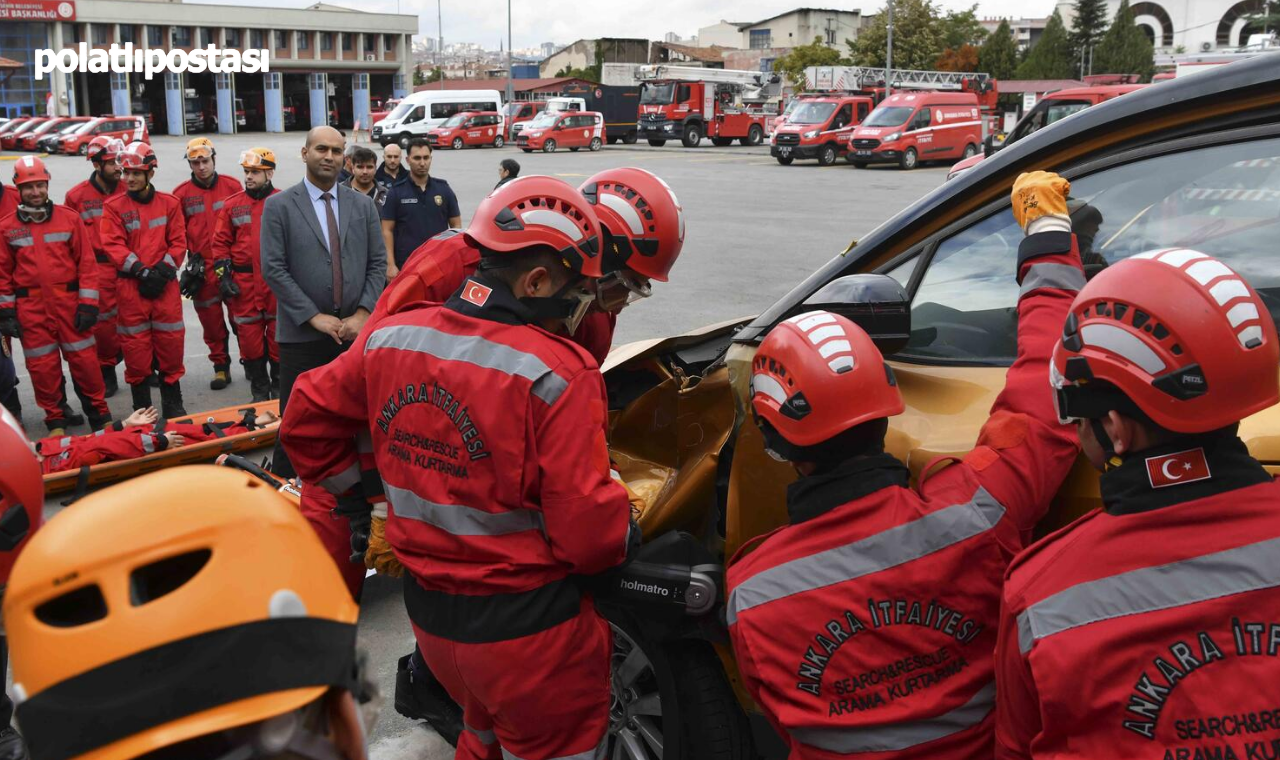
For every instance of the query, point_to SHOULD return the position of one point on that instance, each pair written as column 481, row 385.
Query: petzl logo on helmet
column 476, row 293
column 1174, row 469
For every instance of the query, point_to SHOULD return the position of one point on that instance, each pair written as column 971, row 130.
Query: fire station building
column 328, row 64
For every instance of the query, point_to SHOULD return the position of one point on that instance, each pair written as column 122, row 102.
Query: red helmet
column 103, row 148
column 643, row 217
column 138, row 156
column 29, row 169
column 536, row 210
column 1180, row 335
column 816, row 375
column 21, row 492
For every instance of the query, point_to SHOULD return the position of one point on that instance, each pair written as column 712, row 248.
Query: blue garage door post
column 273, row 102
column 226, row 104
column 174, row 104
column 319, row 85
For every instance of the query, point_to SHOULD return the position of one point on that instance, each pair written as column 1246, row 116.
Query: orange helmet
column 643, row 219
column 138, row 156
column 539, row 210
column 134, row 628
column 29, row 169
column 103, row 148
column 21, row 492
column 199, row 147
column 258, row 158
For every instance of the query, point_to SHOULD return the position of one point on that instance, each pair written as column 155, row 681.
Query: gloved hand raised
column 227, row 286
column 1040, row 202
column 192, row 279
column 9, row 326
column 86, row 318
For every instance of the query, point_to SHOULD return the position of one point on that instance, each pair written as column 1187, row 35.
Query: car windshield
column 891, row 116
column 45, row 127
column 544, row 119
column 399, row 111
column 27, row 127
column 791, row 108
column 85, row 127
column 456, row 119
column 813, row 113
column 511, row 109
column 657, row 93
column 69, row 127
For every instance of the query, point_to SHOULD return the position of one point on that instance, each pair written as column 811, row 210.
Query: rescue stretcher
column 193, row 453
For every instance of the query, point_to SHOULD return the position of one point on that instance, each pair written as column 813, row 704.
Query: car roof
column 1246, row 90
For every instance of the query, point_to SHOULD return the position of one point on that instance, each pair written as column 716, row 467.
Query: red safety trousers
column 334, row 531
column 201, row 206
column 46, row 271
column 117, row 443
column 151, row 232
column 235, row 238
column 87, row 199
column 487, row 434
column 867, row 627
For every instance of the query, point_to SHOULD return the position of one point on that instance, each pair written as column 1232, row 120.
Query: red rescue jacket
column 49, row 256
column 488, row 435
column 116, row 443
column 235, row 236
column 1150, row 628
column 87, row 199
column 151, row 232
column 8, row 200
column 200, row 209
column 867, row 626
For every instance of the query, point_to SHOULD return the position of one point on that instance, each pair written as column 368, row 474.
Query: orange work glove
column 1041, row 195
column 379, row 556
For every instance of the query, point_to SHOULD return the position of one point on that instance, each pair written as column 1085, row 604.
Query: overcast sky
column 563, row 21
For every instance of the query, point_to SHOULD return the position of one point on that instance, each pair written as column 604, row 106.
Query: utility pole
column 888, row 69
column 510, row 71
column 440, row 41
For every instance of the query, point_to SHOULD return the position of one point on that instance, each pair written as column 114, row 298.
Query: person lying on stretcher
column 138, row 435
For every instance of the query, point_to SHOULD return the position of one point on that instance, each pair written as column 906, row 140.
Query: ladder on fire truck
column 699, row 74
column 849, row 78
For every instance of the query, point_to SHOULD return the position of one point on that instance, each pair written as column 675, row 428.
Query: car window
column 1221, row 200
column 922, row 119
column 863, row 110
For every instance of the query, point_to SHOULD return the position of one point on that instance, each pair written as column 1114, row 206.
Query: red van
column 9, row 140
column 473, row 129
column 520, row 114
column 30, row 140
column 819, row 128
column 911, row 127
column 126, row 128
column 552, row 130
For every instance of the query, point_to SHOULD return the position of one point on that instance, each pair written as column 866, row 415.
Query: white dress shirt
column 318, row 204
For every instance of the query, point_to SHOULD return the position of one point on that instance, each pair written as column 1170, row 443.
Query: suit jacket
column 296, row 263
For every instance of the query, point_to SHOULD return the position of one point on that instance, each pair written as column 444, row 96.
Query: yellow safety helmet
column 200, row 147
column 258, row 158
column 193, row 604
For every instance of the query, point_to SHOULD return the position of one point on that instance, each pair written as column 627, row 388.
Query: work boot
column 419, row 696
column 69, row 415
column 12, row 746
column 171, row 401
column 141, row 395
column 221, row 377
column 55, row 431
column 259, row 383
column 96, row 423
column 109, row 381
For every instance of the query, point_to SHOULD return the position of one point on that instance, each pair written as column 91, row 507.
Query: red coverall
column 868, row 625
column 86, row 199
column 9, row 200
column 150, row 232
column 1151, row 628
column 488, row 436
column 235, row 237
column 116, row 442
column 47, row 270
column 200, row 209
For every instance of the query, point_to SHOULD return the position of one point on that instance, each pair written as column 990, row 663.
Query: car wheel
column 657, row 143
column 848, row 156
column 721, row 142
column 909, row 159
column 970, row 151
column 785, row 160
column 84, row 148
column 549, row 146
column 692, row 136
column 456, row 144
column 527, row 150
column 859, row 164
column 827, row 156
column 630, row 137
column 574, row 150
column 498, row 142
column 405, row 137
column 755, row 135
column 595, row 144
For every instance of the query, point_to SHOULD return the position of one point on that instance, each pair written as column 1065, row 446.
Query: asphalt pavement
column 754, row 230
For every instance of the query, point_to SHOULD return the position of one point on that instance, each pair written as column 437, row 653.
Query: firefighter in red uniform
column 49, row 296
column 8, row 200
column 87, row 199
column 868, row 625
column 510, row 494
column 237, row 269
column 202, row 198
column 1150, row 628
column 144, row 236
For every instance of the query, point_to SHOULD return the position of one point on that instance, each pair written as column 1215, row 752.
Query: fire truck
column 687, row 103
column 868, row 80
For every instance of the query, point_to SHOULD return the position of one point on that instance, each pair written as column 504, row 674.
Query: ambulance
column 911, row 127
column 549, row 131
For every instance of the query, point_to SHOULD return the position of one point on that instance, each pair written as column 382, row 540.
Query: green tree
column 590, row 73
column 998, row 56
column 1266, row 20
column 1051, row 57
column 959, row 28
column 815, row 53
column 917, row 40
column 1125, row 49
column 1087, row 30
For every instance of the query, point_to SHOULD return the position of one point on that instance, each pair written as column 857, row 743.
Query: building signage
column 37, row 10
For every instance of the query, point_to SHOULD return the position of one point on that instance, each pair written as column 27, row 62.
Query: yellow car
column 1189, row 163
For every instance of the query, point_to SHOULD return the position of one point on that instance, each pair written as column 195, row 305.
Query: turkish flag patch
column 476, row 293
column 1174, row 469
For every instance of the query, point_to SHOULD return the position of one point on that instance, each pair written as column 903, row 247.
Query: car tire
column 527, row 150
column 827, row 156
column 848, row 157
column 721, row 142
column 859, row 164
column 549, row 146
column 970, row 151
column 692, row 136
column 657, row 143
column 630, row 138
column 574, row 150
column 909, row 159
column 457, row 144
column 84, row 149
column 595, row 145
column 498, row 142
column 404, row 139
column 785, row 160
column 755, row 136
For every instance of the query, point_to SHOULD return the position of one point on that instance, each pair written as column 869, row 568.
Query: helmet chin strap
column 1113, row 460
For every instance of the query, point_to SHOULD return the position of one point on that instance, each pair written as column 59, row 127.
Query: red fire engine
column 866, row 80
column 688, row 103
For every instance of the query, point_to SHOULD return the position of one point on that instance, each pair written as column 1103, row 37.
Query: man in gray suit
column 323, row 257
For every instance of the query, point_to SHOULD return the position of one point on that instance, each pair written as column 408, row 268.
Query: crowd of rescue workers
column 443, row 418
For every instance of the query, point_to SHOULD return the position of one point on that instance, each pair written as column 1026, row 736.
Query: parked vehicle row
column 68, row 134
